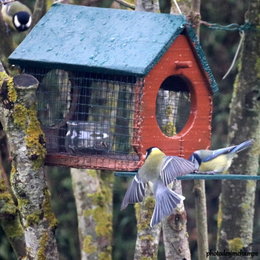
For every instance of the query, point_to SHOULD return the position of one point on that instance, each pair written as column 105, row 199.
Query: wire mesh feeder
column 95, row 118
column 89, row 119
column 173, row 105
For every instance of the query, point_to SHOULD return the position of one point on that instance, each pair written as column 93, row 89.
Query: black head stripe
column 197, row 158
column 148, row 151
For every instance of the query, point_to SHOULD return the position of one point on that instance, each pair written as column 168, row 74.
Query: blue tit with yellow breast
column 16, row 15
column 217, row 161
column 158, row 170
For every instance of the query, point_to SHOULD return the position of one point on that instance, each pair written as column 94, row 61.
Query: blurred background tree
column 220, row 47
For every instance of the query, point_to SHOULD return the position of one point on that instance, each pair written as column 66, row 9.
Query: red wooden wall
column 178, row 60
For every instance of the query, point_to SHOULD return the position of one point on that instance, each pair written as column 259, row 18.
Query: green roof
column 99, row 39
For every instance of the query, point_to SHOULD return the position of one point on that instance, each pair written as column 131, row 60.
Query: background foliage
column 219, row 47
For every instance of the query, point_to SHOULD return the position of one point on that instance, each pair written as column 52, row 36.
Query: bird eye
column 17, row 24
column 29, row 22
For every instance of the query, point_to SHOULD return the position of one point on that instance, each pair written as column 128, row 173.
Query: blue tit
column 16, row 15
column 217, row 161
column 159, row 170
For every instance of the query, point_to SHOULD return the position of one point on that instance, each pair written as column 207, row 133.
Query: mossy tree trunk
column 175, row 234
column 236, row 208
column 9, row 216
column 93, row 194
column 147, row 240
column 26, row 142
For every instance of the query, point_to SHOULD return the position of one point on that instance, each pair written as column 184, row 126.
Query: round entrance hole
column 173, row 104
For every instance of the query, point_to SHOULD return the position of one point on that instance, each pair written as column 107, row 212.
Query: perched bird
column 16, row 15
column 216, row 161
column 160, row 170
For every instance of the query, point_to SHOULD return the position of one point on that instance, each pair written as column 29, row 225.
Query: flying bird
column 217, row 161
column 160, row 170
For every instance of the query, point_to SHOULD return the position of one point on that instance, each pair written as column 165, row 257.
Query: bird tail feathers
column 166, row 201
column 242, row 146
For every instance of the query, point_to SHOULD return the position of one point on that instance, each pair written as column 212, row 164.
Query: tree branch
column 18, row 118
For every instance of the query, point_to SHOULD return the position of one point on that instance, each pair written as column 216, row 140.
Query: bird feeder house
column 114, row 83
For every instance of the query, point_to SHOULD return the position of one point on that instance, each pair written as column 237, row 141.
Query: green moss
column 12, row 173
column 26, row 119
column 147, row 258
column 257, row 67
column 3, row 77
column 103, row 220
column 22, row 202
column 7, row 206
column 41, row 255
column 144, row 219
column 250, row 184
column 2, row 186
column 219, row 218
column 92, row 173
column 34, row 218
column 147, row 237
column 101, row 213
column 88, row 245
column 235, row 244
column 245, row 206
column 20, row 116
column 13, row 227
column 169, row 129
column 48, row 213
column 106, row 255
column 34, row 133
column 12, row 95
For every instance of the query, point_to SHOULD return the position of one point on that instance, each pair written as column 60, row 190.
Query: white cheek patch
column 29, row 22
column 16, row 22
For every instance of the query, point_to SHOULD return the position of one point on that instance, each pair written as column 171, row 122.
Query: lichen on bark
column 93, row 194
column 27, row 149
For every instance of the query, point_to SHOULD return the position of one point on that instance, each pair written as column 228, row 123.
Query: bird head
column 152, row 151
column 195, row 158
column 22, row 21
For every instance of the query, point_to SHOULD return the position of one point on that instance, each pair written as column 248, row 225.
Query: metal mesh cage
column 173, row 105
column 88, row 114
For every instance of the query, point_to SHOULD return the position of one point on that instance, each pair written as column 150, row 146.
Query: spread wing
column 175, row 166
column 135, row 192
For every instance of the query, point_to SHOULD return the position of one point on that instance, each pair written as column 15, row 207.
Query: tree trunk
column 175, row 232
column 147, row 241
column 199, row 185
column 9, row 216
column 236, row 208
column 93, row 194
column 26, row 142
